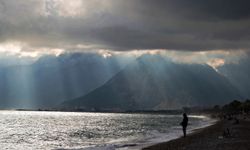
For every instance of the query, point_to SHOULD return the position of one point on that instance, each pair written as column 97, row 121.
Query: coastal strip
column 224, row 135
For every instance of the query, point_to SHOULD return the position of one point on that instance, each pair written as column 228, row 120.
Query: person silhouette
column 184, row 124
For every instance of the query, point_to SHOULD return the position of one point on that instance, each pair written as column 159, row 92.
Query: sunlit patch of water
column 55, row 130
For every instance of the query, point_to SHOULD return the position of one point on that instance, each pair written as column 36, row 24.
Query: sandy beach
column 211, row 138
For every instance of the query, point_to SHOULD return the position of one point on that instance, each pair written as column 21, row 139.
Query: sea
column 28, row 130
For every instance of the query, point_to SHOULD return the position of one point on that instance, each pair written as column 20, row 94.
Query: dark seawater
column 91, row 131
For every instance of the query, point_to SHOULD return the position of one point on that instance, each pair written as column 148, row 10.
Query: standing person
column 184, row 124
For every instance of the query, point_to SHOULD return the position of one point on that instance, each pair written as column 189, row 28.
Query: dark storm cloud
column 204, row 10
column 128, row 24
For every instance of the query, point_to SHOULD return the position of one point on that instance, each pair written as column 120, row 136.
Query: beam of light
column 22, row 85
column 59, row 82
column 21, row 88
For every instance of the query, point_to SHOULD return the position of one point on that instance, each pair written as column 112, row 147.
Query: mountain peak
column 153, row 81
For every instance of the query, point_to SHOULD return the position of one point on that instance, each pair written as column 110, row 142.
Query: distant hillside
column 152, row 82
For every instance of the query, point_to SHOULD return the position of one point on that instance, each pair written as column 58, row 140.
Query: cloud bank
column 124, row 25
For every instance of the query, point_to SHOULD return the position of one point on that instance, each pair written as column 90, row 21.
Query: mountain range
column 154, row 82
column 51, row 80
column 93, row 82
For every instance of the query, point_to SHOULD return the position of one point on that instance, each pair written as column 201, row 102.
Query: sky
column 218, row 29
column 213, row 32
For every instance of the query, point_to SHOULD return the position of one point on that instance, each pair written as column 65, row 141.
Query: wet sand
column 211, row 138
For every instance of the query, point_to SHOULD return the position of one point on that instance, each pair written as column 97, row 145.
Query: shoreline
column 161, row 137
column 191, row 131
column 211, row 137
